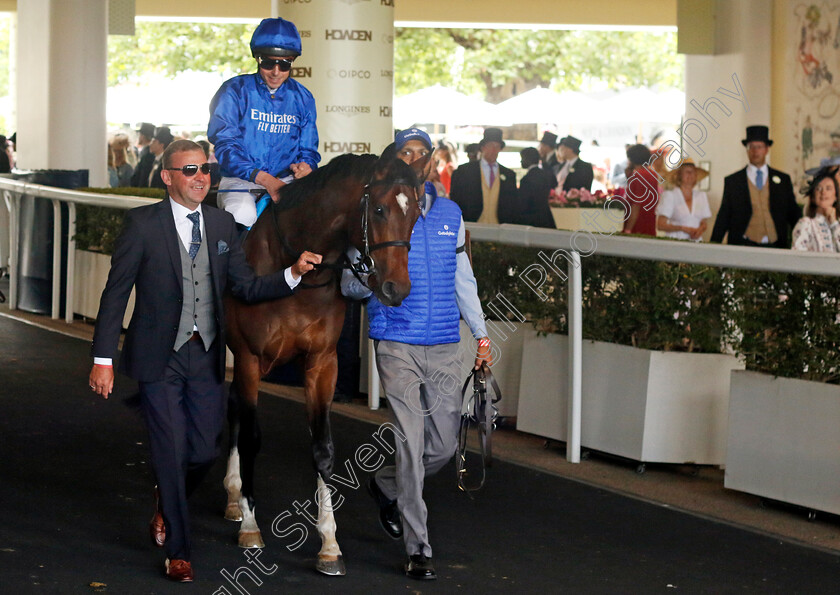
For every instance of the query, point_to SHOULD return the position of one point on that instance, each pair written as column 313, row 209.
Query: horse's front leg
column 233, row 478
column 246, row 380
column 321, row 374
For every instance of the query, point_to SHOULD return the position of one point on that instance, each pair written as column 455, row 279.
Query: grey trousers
column 422, row 384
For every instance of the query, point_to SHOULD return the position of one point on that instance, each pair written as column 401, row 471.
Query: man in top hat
column 758, row 207
column 546, row 148
column 574, row 172
column 147, row 172
column 478, row 187
column 145, row 132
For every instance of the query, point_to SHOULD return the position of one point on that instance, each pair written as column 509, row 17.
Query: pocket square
column 223, row 247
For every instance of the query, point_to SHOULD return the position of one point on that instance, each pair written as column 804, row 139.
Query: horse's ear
column 422, row 168
column 388, row 155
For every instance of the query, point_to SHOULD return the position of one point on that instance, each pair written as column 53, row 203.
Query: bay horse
column 359, row 200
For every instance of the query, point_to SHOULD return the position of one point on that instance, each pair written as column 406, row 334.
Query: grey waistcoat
column 197, row 307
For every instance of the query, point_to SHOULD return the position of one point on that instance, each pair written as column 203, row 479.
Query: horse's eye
column 379, row 210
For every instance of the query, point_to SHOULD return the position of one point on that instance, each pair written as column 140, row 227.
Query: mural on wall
column 813, row 69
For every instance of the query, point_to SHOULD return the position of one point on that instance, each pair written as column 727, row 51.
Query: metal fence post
column 575, row 357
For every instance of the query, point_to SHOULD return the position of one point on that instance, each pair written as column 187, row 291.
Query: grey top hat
column 492, row 135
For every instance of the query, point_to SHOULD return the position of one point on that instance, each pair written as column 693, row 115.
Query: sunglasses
column 284, row 64
column 192, row 169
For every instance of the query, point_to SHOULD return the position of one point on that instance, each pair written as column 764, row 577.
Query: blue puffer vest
column 429, row 315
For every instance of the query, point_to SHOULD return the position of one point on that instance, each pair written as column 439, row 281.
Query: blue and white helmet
column 275, row 37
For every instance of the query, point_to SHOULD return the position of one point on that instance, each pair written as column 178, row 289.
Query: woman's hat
column 758, row 133
column 824, row 163
column 673, row 175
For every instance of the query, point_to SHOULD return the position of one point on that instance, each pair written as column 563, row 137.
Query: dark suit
column 531, row 206
column 580, row 176
column 181, row 391
column 736, row 209
column 140, row 177
column 551, row 165
column 466, row 189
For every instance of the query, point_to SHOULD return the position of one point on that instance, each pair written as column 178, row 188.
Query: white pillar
column 61, row 86
column 347, row 62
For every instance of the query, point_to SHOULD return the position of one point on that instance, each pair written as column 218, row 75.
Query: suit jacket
column 466, row 189
column 580, row 176
column 147, row 256
column 736, row 210
column 140, row 178
column 531, row 205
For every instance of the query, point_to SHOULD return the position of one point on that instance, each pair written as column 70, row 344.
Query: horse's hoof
column 250, row 539
column 233, row 512
column 331, row 565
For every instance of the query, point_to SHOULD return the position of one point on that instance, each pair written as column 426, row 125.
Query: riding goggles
column 284, row 64
column 192, row 169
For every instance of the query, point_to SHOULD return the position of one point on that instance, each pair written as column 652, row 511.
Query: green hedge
column 97, row 228
column 784, row 325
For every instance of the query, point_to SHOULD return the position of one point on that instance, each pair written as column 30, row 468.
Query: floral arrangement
column 580, row 197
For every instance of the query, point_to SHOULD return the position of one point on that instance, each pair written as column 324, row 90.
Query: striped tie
column 196, row 234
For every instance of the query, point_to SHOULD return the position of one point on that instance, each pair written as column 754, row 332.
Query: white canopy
column 544, row 106
column 441, row 105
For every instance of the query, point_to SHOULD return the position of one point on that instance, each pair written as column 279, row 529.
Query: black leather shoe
column 420, row 567
column 389, row 515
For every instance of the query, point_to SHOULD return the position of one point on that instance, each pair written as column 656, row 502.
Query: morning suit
column 140, row 177
column 180, row 378
column 466, row 189
column 531, row 204
column 736, row 211
column 580, row 176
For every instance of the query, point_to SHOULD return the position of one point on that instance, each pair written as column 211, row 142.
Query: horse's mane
column 343, row 166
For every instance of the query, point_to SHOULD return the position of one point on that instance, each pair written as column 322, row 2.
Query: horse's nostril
column 389, row 289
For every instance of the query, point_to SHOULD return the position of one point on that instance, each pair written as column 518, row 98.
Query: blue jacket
column 253, row 130
column 430, row 314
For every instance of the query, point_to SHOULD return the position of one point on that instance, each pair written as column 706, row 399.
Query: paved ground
column 75, row 499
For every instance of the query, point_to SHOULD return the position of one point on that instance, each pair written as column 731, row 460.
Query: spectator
column 758, row 207
column 445, row 166
column 147, row 174
column 531, row 204
column 642, row 193
column 479, row 186
column 5, row 159
column 574, row 172
column 819, row 230
column 548, row 158
column 683, row 211
column 418, row 360
column 113, row 178
column 120, row 146
column 144, row 138
column 262, row 125
column 473, row 151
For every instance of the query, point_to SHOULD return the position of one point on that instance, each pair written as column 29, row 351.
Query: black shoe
column 389, row 515
column 420, row 567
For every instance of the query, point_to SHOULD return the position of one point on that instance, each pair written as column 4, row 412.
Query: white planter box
column 784, row 440
column 91, row 275
column 650, row 406
column 594, row 220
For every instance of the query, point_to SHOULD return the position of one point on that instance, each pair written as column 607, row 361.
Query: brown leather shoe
column 179, row 571
column 157, row 528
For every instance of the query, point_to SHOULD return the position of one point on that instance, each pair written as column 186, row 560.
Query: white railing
column 13, row 190
column 574, row 247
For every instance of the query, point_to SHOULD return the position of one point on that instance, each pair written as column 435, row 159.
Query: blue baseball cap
column 403, row 136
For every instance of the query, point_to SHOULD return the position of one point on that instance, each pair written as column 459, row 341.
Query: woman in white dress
column 819, row 230
column 683, row 211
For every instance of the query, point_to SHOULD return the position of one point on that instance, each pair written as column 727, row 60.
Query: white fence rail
column 572, row 247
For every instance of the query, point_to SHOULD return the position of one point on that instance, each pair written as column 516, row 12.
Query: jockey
column 263, row 124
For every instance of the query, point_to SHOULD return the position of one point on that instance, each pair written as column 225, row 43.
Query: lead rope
column 477, row 409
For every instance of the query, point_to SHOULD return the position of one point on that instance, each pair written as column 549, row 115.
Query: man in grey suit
column 180, row 259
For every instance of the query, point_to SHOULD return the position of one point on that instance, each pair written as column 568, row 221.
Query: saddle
column 478, row 410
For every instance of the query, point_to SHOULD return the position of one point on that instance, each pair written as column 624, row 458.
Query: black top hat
column 492, row 135
column 549, row 139
column 758, row 133
column 571, row 142
column 146, row 129
column 163, row 135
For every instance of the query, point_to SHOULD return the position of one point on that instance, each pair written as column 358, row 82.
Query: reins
column 481, row 411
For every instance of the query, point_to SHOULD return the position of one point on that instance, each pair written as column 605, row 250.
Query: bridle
column 364, row 264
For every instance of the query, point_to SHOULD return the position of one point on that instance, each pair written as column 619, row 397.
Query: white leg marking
column 326, row 522
column 233, row 481
column 249, row 519
column 402, row 200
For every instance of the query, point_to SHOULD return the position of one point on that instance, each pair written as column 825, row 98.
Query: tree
column 503, row 63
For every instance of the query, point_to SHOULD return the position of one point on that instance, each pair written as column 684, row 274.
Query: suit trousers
column 184, row 414
column 424, row 394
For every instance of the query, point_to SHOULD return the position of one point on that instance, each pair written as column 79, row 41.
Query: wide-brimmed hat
column 492, row 135
column 827, row 162
column 571, row 142
column 758, row 133
column 146, row 129
column 673, row 175
column 549, row 139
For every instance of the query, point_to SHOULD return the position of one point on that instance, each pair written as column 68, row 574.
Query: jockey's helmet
column 275, row 37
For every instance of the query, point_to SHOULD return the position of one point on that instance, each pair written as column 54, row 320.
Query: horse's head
column 392, row 210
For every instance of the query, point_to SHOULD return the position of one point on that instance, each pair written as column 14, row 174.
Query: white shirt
column 672, row 205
